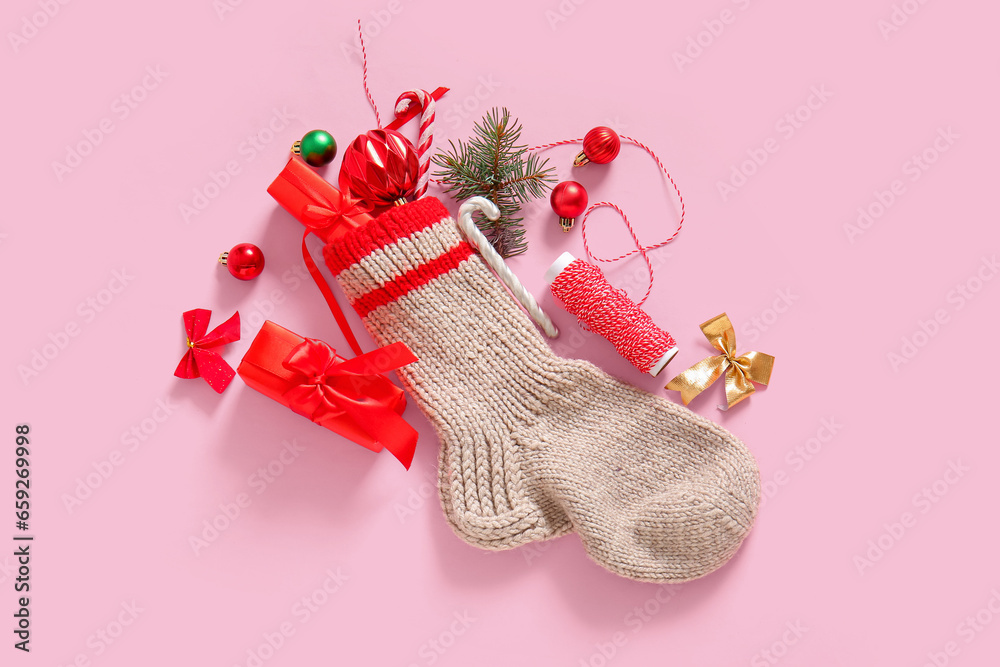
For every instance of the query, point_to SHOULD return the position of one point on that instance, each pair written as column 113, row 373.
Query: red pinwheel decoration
column 201, row 360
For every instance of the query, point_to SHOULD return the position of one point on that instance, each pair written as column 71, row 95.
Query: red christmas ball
column 380, row 168
column 601, row 145
column 245, row 261
column 568, row 199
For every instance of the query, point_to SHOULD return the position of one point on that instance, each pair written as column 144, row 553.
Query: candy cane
column 426, row 103
column 493, row 258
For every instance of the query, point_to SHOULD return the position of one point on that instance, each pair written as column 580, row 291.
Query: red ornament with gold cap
column 568, row 199
column 600, row 146
column 245, row 261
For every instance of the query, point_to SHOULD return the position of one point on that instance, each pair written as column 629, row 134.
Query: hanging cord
column 364, row 77
column 639, row 248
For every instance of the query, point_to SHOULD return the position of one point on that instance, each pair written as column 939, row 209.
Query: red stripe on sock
column 413, row 279
column 397, row 223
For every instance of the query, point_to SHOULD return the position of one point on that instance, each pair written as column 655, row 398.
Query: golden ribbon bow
column 741, row 372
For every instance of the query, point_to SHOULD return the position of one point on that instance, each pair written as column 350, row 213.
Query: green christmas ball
column 318, row 148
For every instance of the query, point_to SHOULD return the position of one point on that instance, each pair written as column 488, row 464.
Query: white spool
column 560, row 265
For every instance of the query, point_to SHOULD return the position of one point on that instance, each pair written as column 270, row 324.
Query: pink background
column 851, row 561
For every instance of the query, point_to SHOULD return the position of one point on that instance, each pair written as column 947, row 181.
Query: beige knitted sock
column 533, row 445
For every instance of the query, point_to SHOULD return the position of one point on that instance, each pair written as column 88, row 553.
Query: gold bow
column 741, row 372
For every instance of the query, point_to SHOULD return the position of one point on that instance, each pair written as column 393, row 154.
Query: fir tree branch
column 492, row 164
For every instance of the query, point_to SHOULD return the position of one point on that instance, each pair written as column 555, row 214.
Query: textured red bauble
column 380, row 168
column 568, row 199
column 245, row 261
column 601, row 145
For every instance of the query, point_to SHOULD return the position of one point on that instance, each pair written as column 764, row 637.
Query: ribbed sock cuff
column 397, row 223
column 398, row 252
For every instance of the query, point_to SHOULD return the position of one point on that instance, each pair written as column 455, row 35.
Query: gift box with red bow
column 322, row 208
column 324, row 211
column 351, row 397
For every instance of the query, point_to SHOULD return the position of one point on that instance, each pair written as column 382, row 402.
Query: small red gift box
column 311, row 200
column 326, row 212
column 351, row 397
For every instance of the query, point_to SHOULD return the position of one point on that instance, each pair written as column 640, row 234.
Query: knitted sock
column 533, row 445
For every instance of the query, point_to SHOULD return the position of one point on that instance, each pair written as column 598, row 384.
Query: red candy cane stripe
column 426, row 102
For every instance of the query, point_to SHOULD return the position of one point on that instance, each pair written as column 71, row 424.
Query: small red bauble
column 380, row 168
column 245, row 261
column 601, row 146
column 569, row 199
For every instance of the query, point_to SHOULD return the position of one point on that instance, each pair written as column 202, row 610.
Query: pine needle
column 492, row 164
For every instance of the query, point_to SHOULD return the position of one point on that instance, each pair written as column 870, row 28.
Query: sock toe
column 656, row 492
column 685, row 532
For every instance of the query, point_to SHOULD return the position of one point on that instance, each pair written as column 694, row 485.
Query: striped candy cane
column 426, row 104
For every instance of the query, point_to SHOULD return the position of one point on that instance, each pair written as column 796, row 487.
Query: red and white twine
column 607, row 311
column 364, row 76
column 425, row 102
column 639, row 248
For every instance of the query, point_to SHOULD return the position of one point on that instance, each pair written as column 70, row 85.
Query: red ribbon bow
column 326, row 212
column 326, row 215
column 327, row 390
column 201, row 360
column 311, row 200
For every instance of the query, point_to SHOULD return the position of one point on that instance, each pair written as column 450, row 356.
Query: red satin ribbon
column 201, row 360
column 326, row 390
column 331, row 300
column 314, row 202
column 326, row 212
